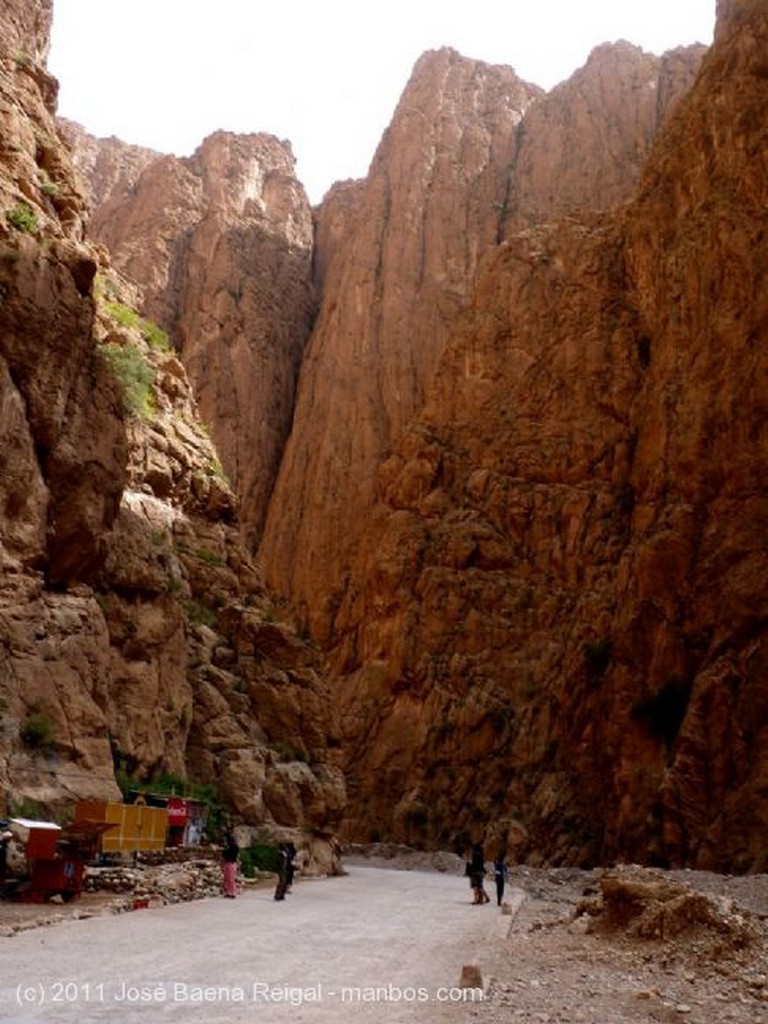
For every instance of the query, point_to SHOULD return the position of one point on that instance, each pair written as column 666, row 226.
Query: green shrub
column 23, row 218
column 258, row 857
column 37, row 732
column 211, row 558
column 201, row 615
column 124, row 315
column 27, row 808
column 135, row 376
column 215, row 468
column 154, row 336
column 47, row 187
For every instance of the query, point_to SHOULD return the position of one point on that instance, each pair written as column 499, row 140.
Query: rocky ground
column 625, row 945
column 699, row 955
column 121, row 888
column 621, row 946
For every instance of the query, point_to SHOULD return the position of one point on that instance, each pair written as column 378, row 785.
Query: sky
column 324, row 74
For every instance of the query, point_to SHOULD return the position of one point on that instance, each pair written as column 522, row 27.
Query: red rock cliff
column 135, row 635
column 392, row 289
column 471, row 152
column 556, row 634
column 522, row 501
column 582, row 146
column 221, row 245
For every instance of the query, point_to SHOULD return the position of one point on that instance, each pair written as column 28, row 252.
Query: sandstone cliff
column 221, row 245
column 555, row 635
column 582, row 146
column 469, row 562
column 134, row 632
column 391, row 291
column 109, row 170
column 471, row 152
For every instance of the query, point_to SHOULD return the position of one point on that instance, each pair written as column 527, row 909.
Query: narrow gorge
column 442, row 512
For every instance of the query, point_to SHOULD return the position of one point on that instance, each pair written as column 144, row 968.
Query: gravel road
column 384, row 946
column 374, row 945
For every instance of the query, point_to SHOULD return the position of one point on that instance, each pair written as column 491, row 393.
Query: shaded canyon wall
column 555, row 635
column 136, row 637
column 520, row 505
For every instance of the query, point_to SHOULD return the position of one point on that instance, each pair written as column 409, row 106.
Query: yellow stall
column 136, row 826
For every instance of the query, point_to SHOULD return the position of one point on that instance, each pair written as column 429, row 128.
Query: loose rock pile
column 632, row 945
column 403, row 858
column 170, row 883
column 651, row 905
column 118, row 888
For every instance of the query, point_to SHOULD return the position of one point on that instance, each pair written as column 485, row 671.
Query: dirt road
column 376, row 946
column 387, row 946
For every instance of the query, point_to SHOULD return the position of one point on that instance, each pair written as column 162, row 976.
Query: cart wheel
column 68, row 895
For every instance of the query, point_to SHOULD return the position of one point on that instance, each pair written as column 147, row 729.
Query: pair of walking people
column 286, row 867
column 476, row 871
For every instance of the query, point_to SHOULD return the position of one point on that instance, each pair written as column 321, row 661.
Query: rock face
column 397, row 277
column 582, row 146
column 471, row 154
column 221, row 245
column 135, row 635
column 109, row 170
column 202, row 677
column 27, row 29
column 518, row 503
column 555, row 635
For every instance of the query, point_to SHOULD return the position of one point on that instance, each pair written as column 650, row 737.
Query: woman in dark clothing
column 229, row 856
column 283, row 858
column 477, row 874
column 500, row 877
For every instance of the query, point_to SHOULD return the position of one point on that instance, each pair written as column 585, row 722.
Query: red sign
column 178, row 811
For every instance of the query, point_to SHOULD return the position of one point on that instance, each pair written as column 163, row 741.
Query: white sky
column 324, row 74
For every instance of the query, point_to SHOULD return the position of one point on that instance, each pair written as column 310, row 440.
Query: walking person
column 5, row 838
column 477, row 874
column 500, row 875
column 283, row 857
column 229, row 857
column 290, row 865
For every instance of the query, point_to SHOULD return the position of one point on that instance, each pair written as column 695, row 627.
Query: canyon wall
column 221, row 245
column 583, row 145
column 391, row 291
column 472, row 154
column 136, row 638
column 522, row 504
column 555, row 635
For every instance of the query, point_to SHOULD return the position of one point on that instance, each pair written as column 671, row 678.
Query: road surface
column 377, row 945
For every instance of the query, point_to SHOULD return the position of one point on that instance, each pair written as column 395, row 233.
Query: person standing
column 500, row 875
column 283, row 857
column 229, row 857
column 290, row 865
column 477, row 874
column 5, row 837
